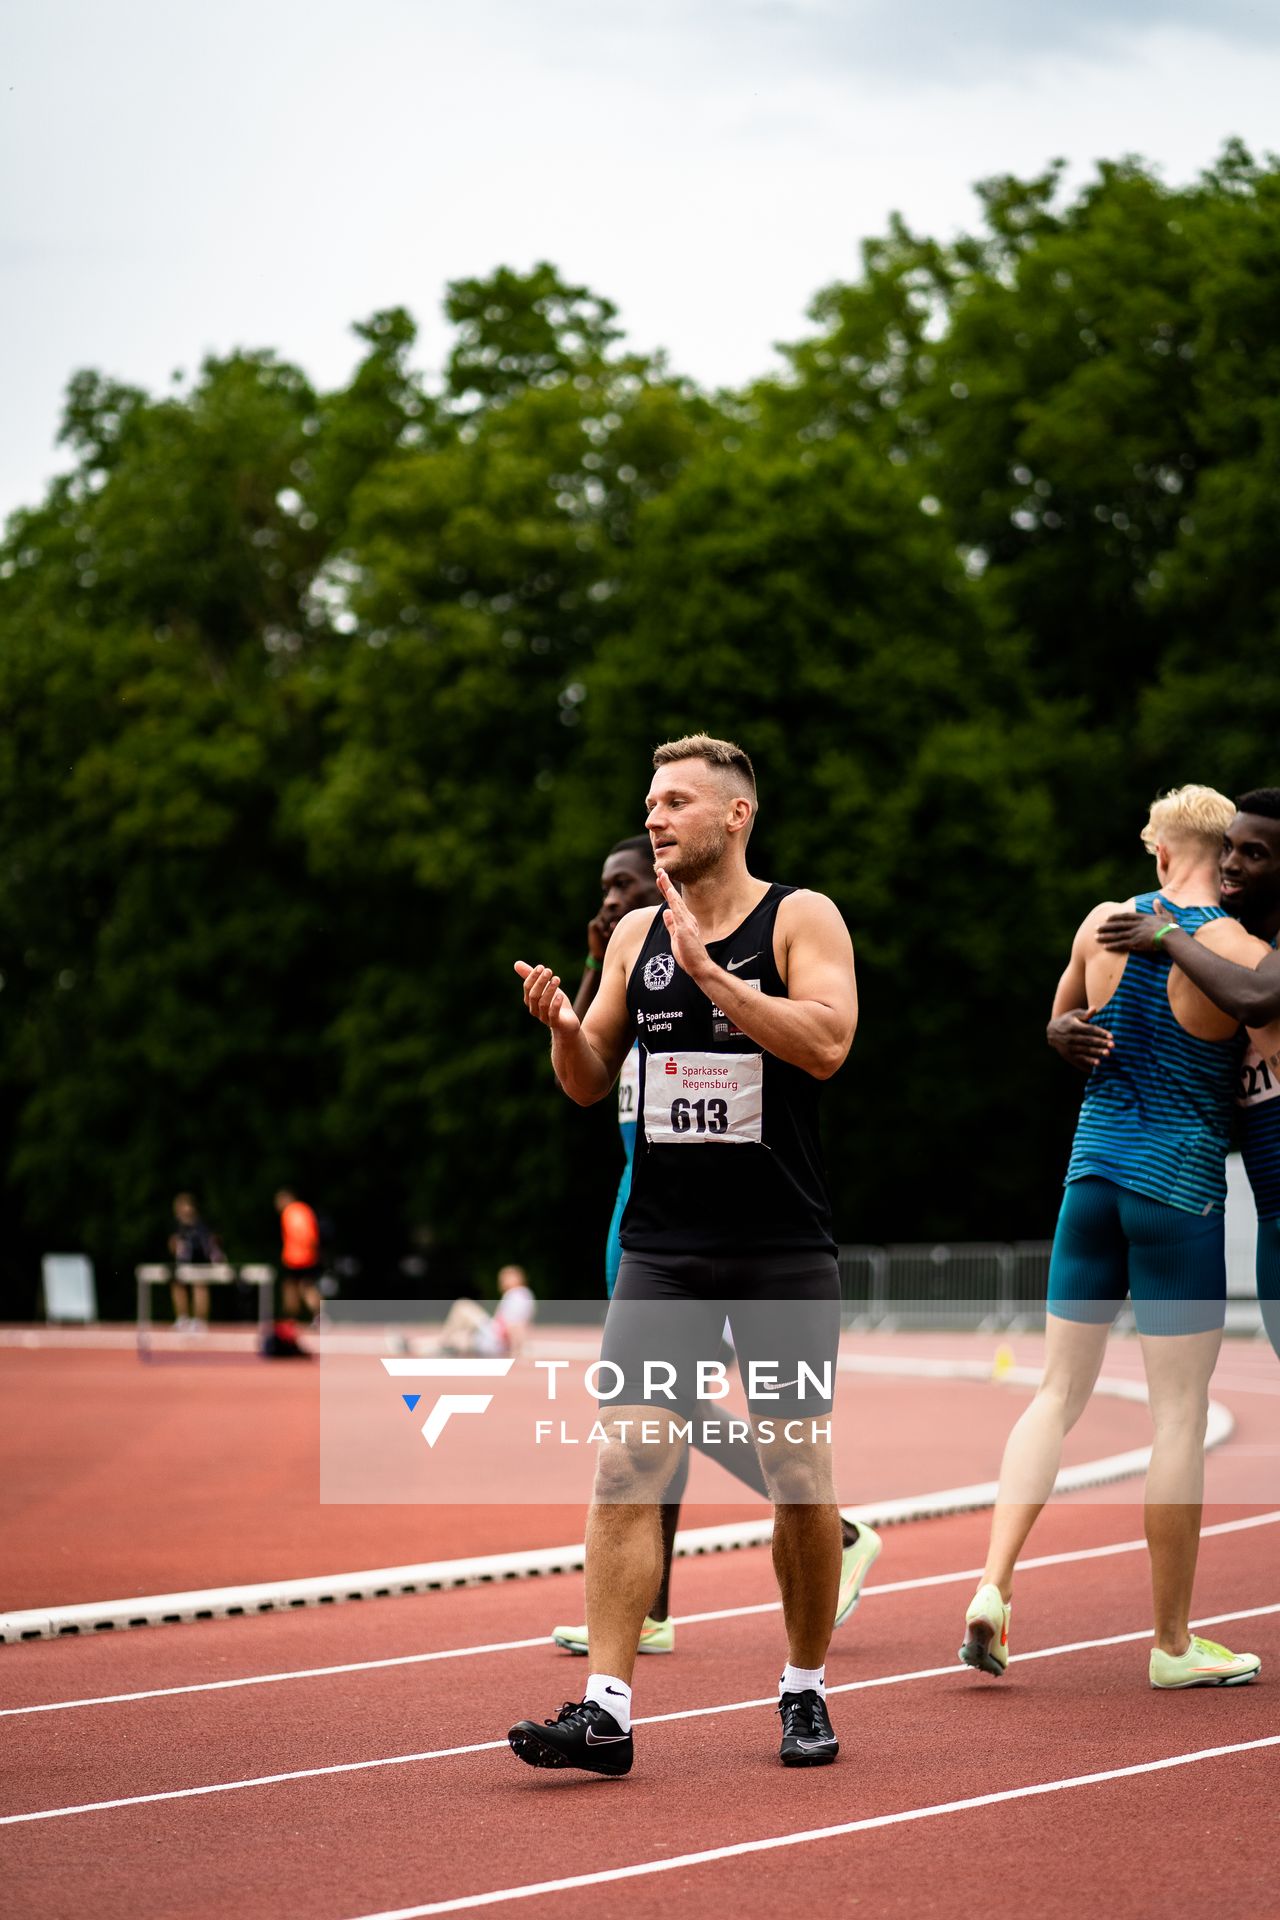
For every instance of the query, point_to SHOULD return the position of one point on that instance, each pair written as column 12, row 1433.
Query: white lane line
column 543, row 1639
column 708, row 1854
column 272, row 1679
column 952, row 1667
column 974, row 1573
column 1261, row 1380
column 649, row 1720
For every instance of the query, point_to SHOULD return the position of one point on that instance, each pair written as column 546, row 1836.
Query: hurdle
column 148, row 1276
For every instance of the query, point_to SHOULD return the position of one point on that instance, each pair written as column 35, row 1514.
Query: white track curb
column 283, row 1596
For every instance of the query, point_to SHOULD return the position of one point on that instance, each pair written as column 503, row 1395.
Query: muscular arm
column 1070, row 990
column 1070, row 1031
column 813, row 1027
column 1237, row 972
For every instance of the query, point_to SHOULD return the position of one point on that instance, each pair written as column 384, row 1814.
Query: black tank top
column 727, row 1156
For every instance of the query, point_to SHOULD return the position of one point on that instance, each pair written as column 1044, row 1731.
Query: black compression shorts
column 667, row 1316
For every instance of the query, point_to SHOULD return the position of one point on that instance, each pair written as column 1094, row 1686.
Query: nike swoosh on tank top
column 727, row 1157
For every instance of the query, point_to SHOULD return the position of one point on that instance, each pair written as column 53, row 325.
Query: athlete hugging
column 1145, row 1192
column 738, row 998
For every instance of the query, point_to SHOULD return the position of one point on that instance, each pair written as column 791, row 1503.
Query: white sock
column 613, row 1695
column 802, row 1680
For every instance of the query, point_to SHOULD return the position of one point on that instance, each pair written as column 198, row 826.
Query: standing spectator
column 192, row 1244
column 299, row 1254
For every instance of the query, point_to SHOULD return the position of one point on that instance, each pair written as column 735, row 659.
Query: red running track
column 126, row 1479
column 443, row 1825
column 383, row 1814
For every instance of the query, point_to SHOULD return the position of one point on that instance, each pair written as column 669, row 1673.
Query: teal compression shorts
column 1111, row 1243
column 613, row 1247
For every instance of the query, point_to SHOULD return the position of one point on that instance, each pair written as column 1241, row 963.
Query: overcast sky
column 179, row 179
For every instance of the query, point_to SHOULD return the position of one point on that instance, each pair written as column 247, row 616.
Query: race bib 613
column 703, row 1099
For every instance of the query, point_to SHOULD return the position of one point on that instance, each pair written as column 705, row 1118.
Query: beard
column 698, row 858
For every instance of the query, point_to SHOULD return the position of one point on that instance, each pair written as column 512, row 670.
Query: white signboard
column 69, row 1292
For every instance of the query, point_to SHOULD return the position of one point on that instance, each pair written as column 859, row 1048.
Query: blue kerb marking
column 411, row 1400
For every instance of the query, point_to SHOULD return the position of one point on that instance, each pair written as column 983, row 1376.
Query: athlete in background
column 1142, row 1214
column 1250, row 876
column 627, row 881
column 299, row 1254
column 192, row 1244
column 470, row 1329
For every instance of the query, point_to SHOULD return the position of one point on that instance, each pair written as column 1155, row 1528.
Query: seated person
column 471, row 1332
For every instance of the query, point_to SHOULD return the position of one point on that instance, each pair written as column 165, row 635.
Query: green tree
column 158, row 1030
column 1086, row 388
column 321, row 707
column 476, row 581
column 801, row 602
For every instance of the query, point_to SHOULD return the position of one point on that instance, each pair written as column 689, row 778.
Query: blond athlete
column 1142, row 1214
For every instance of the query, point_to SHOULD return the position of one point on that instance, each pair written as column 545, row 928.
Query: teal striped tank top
column 1157, row 1112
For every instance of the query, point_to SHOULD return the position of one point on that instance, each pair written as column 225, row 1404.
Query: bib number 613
column 699, row 1116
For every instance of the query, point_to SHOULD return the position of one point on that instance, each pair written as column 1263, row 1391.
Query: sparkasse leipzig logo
column 659, row 972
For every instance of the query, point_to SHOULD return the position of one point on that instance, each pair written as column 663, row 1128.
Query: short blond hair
column 1187, row 815
column 725, row 755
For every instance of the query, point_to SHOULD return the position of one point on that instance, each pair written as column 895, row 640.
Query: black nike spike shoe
column 807, row 1738
column 581, row 1735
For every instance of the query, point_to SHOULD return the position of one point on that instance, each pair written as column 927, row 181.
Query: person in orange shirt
column 299, row 1254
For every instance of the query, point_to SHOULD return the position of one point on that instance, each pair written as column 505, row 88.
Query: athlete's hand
column 1134, row 932
column 687, row 943
column 1077, row 1040
column 546, row 999
column 598, row 936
